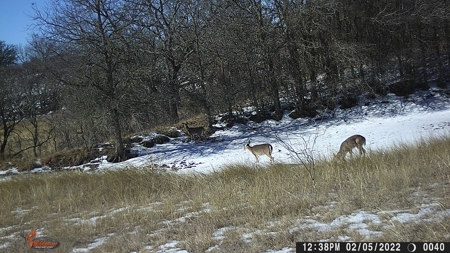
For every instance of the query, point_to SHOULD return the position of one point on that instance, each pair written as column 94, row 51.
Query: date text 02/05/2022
column 372, row 246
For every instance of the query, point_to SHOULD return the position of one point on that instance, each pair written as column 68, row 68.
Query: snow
column 96, row 243
column 170, row 247
column 385, row 123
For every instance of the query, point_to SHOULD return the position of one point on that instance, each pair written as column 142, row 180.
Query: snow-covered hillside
column 384, row 123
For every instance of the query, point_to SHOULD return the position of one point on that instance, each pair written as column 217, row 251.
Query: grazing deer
column 259, row 150
column 194, row 131
column 354, row 141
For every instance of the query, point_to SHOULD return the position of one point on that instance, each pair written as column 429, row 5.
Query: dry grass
column 55, row 151
column 237, row 209
column 51, row 152
column 22, row 140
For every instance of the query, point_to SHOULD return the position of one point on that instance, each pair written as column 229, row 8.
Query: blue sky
column 15, row 20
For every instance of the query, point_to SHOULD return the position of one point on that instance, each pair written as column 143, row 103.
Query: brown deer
column 259, row 150
column 354, row 141
column 194, row 131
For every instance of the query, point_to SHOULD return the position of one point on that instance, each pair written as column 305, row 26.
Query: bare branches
column 302, row 152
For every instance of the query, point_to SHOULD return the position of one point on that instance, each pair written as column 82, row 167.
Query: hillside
column 385, row 123
column 397, row 193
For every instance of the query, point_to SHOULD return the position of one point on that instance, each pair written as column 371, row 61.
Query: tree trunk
column 276, row 100
column 7, row 130
column 120, row 149
column 174, row 96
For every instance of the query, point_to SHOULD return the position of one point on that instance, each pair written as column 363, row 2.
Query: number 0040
column 433, row 246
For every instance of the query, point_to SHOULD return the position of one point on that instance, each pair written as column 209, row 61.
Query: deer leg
column 362, row 151
column 271, row 158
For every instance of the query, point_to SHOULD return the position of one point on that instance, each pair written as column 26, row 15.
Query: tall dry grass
column 239, row 208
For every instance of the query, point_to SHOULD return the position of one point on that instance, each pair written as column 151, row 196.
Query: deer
column 259, row 150
column 194, row 131
column 354, row 141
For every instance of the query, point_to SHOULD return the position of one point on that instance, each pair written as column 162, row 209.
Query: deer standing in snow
column 194, row 131
column 259, row 150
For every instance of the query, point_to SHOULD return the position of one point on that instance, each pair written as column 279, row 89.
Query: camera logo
column 40, row 243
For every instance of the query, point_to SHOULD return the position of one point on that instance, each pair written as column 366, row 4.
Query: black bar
column 404, row 247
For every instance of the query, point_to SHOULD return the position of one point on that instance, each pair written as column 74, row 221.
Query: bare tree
column 40, row 98
column 167, row 25
column 10, row 114
column 93, row 37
